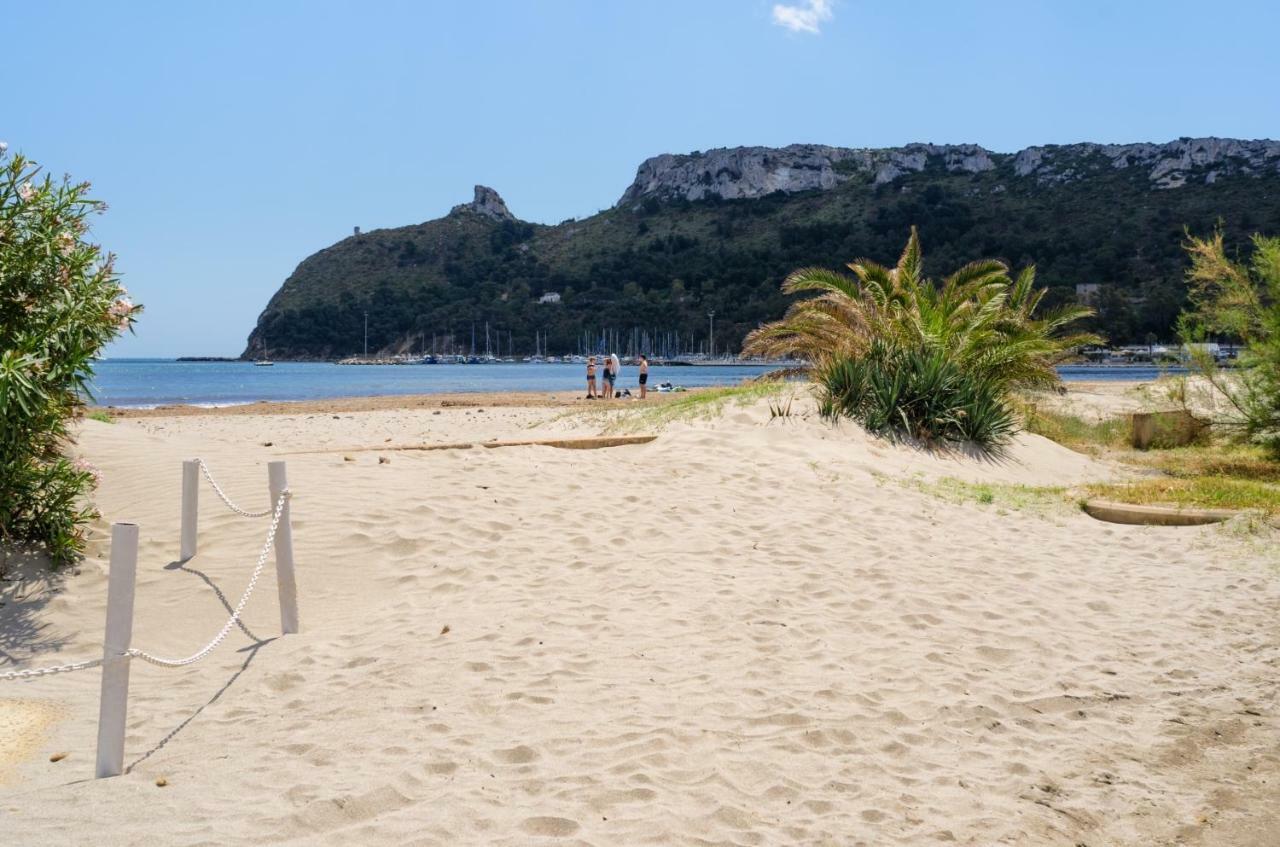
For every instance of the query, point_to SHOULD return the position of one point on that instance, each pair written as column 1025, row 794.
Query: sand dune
column 743, row 633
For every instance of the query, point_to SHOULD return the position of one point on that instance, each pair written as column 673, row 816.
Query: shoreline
column 391, row 402
column 464, row 399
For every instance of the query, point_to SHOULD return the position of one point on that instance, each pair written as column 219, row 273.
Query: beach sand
column 747, row 632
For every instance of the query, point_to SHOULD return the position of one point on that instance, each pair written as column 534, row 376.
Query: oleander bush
column 60, row 303
column 938, row 362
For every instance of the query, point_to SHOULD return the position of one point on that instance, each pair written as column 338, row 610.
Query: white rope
column 225, row 499
column 235, row 615
column 35, row 672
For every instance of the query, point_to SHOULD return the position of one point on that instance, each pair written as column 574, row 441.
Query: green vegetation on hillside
column 660, row 266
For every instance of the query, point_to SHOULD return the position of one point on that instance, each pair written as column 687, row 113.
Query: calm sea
column 153, row 382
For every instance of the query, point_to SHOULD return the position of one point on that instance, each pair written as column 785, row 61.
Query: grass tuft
column 1080, row 434
column 1202, row 492
column 1218, row 475
column 1245, row 462
column 1002, row 495
column 702, row 404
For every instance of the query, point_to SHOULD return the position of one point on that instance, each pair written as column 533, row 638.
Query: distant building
column 357, row 232
column 550, row 297
column 1088, row 292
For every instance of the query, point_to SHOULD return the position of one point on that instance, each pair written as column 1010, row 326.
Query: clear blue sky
column 232, row 139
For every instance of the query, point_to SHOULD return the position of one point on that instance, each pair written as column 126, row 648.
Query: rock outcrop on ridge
column 747, row 172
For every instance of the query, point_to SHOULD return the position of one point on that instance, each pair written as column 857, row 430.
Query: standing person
column 591, row 378
column 615, row 367
column 644, row 374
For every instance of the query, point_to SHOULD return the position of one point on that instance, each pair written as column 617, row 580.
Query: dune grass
column 100, row 415
column 1220, row 474
column 701, row 404
column 1241, row 462
column 1002, row 496
column 1200, row 492
column 1080, row 434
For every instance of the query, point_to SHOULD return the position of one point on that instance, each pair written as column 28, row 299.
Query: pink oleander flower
column 25, row 191
column 66, row 244
column 86, row 467
column 120, row 311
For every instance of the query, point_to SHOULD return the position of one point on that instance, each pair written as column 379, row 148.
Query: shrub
column 60, row 303
column 1241, row 301
column 915, row 391
column 897, row 352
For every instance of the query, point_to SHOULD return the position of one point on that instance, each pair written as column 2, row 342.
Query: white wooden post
column 114, row 701
column 190, row 508
column 285, row 582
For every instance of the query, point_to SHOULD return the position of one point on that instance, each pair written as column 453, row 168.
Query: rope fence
column 235, row 615
column 35, row 672
column 204, row 469
column 121, row 580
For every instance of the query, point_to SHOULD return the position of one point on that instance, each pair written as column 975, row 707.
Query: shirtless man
column 644, row 374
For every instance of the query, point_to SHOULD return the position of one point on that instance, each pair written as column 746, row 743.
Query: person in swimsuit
column 608, row 378
column 591, row 378
column 644, row 374
column 614, row 367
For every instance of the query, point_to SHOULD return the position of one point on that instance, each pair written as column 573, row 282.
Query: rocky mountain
column 748, row 172
column 718, row 230
column 488, row 204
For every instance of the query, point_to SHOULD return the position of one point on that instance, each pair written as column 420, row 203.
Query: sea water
column 154, row 382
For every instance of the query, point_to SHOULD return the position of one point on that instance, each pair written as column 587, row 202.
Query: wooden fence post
column 114, row 702
column 190, row 508
column 285, row 582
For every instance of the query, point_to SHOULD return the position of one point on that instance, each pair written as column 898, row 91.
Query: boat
column 265, row 361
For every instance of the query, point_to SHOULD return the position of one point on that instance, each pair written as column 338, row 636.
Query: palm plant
column 977, row 325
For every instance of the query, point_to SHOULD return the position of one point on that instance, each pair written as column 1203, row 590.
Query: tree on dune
column 1240, row 300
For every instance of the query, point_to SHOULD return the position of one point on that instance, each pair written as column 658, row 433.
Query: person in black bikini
column 609, row 376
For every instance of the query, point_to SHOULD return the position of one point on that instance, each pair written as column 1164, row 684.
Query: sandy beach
column 747, row 632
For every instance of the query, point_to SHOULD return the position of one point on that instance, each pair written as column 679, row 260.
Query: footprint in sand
column 521, row 755
column 553, row 827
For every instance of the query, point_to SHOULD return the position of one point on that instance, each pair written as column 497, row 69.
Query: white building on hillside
column 550, row 297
